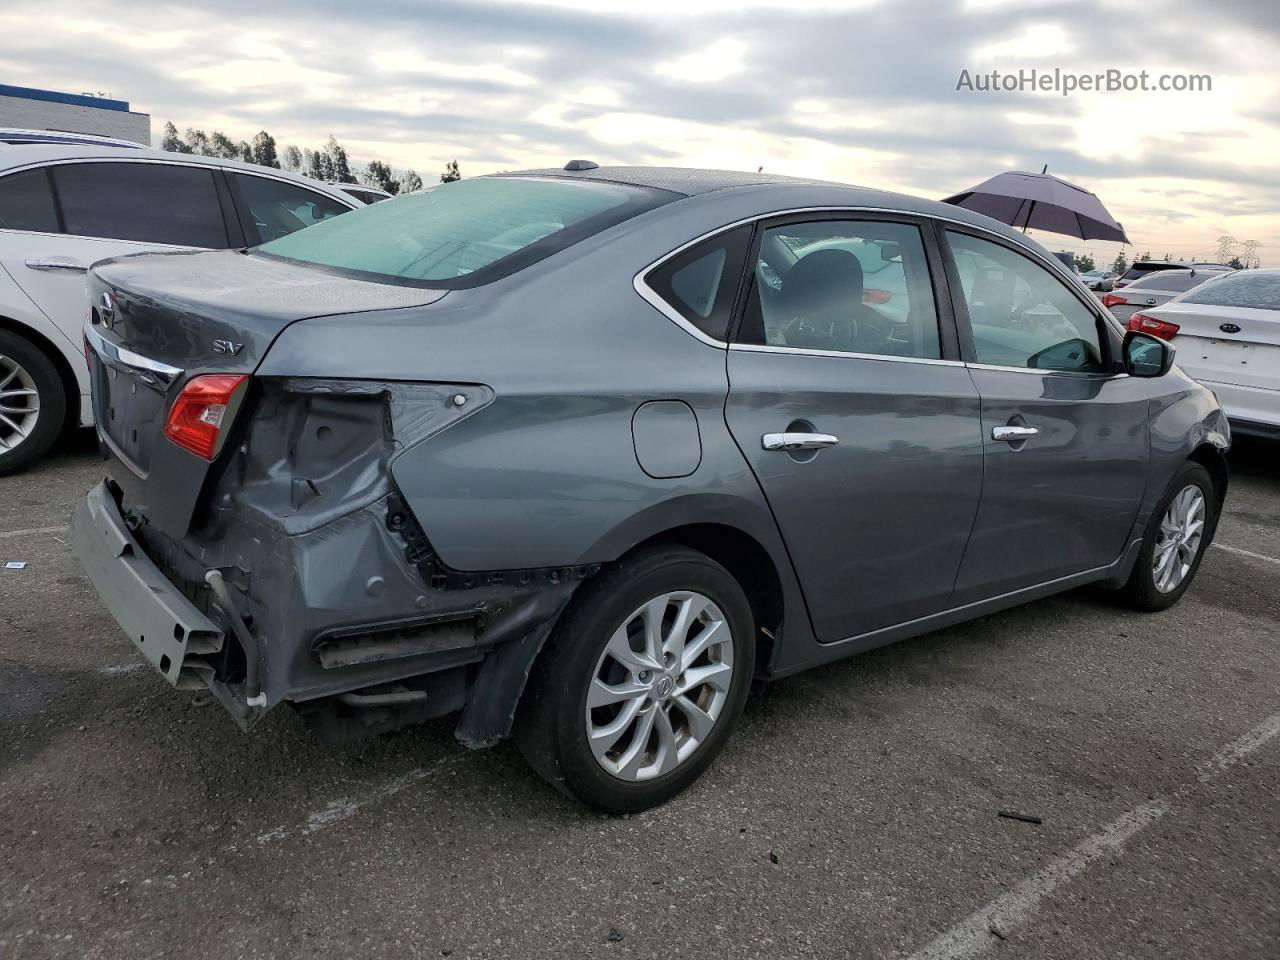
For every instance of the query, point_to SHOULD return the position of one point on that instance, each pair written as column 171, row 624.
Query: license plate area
column 130, row 412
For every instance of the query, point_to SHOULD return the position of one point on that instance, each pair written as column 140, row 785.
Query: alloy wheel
column 1178, row 539
column 659, row 686
column 19, row 404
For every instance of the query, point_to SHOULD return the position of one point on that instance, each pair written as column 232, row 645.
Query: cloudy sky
column 861, row 91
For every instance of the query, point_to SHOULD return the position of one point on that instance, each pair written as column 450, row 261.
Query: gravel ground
column 854, row 814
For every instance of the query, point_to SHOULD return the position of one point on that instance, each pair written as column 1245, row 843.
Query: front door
column 1065, row 437
column 848, row 399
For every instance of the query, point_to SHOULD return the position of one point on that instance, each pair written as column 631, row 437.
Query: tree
column 409, row 182
column 378, row 174
column 292, row 159
column 314, row 164
column 1145, row 256
column 264, row 150
column 171, row 141
column 220, row 145
column 1085, row 262
column 1120, row 264
column 197, row 142
column 244, row 152
column 339, row 168
column 1236, row 263
column 450, row 172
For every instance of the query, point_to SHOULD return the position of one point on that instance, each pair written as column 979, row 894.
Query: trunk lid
column 158, row 320
column 1221, row 344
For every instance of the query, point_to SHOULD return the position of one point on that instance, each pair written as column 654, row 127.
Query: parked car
column 1227, row 332
column 565, row 425
column 362, row 192
column 1154, row 289
column 64, row 207
column 1100, row 280
column 1143, row 267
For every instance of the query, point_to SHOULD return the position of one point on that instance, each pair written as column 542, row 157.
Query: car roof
column 35, row 153
column 12, row 136
column 783, row 192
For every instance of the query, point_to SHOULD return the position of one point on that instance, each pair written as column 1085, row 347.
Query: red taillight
column 1157, row 328
column 872, row 295
column 198, row 415
column 1113, row 300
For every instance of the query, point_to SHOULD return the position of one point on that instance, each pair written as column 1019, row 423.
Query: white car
column 1154, row 289
column 1227, row 334
column 64, row 207
column 362, row 192
column 1098, row 279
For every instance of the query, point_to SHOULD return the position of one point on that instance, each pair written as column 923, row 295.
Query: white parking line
column 31, row 531
column 1246, row 553
column 974, row 934
column 343, row 809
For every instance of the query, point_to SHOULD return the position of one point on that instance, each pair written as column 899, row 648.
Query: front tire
column 641, row 681
column 1180, row 530
column 33, row 403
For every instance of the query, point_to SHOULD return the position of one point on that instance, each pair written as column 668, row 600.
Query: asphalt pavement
column 855, row 813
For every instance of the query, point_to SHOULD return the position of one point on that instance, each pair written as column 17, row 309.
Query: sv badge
column 228, row 347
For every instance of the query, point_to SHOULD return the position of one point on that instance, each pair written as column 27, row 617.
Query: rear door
column 849, row 401
column 1065, row 437
column 99, row 210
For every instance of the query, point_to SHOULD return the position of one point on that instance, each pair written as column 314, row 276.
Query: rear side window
column 150, row 202
column 1260, row 291
column 26, row 202
column 702, row 282
column 468, row 232
column 272, row 208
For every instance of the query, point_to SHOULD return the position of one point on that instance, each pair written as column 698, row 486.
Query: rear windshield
column 465, row 233
column 1241, row 289
column 1142, row 269
column 1173, row 281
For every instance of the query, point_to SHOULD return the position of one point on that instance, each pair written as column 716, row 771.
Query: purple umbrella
column 1041, row 201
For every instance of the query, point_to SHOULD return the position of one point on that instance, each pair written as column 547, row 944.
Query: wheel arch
column 1213, row 460
column 70, row 384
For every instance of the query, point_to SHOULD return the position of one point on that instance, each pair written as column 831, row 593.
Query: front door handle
column 56, row 265
column 797, row 441
column 1014, row 434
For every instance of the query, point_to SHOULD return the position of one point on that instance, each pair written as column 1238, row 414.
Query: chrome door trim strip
column 806, row 352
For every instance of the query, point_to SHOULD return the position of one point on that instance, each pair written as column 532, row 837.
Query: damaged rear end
column 250, row 537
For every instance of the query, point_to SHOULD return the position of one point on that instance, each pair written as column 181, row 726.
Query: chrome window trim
column 651, row 297
column 1043, row 372
column 850, row 355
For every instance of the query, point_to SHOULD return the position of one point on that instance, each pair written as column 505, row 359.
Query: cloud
column 862, row 91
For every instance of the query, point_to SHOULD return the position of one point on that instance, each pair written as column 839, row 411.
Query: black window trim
column 1110, row 335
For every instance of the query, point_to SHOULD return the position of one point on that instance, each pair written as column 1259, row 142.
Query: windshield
column 465, row 233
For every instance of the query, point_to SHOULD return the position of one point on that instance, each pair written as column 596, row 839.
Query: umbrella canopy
column 1041, row 201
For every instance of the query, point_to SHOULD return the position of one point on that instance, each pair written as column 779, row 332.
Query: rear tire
column 657, row 722
column 33, row 403
column 1180, row 530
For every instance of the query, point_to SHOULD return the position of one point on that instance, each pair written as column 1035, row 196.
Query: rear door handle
column 56, row 265
column 1014, row 434
column 797, row 441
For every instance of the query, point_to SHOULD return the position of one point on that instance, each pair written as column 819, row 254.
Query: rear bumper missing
column 162, row 623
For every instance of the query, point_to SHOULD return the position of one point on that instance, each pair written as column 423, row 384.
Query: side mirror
column 1145, row 355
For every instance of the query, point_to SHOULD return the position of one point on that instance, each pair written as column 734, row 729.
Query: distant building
column 29, row 109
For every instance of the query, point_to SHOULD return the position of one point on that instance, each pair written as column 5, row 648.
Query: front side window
column 466, row 232
column 702, row 282
column 1260, row 291
column 1021, row 314
column 272, row 208
column 850, row 286
column 26, row 202
column 150, row 202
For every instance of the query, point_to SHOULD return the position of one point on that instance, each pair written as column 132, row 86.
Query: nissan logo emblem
column 107, row 310
column 1229, row 328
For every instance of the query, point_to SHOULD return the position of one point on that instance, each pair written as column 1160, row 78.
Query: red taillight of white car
column 198, row 416
column 1113, row 300
column 1157, row 328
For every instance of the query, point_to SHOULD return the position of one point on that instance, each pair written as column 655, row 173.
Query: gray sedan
column 579, row 454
